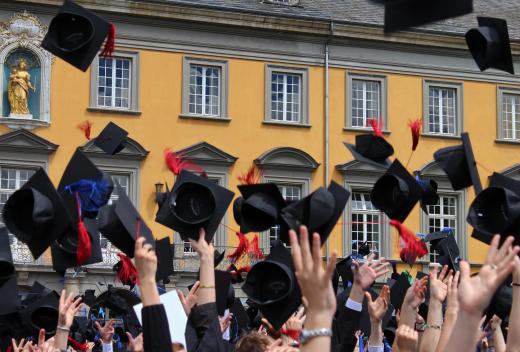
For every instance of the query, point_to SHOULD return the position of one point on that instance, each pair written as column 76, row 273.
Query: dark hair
column 177, row 347
column 253, row 342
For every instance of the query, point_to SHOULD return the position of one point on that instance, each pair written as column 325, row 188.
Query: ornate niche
column 25, row 73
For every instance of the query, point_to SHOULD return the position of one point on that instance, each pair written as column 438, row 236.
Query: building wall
column 161, row 49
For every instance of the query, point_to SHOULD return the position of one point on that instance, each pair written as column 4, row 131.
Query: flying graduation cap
column 112, row 139
column 372, row 148
column 489, row 45
column 164, row 251
column 402, row 14
column 76, row 34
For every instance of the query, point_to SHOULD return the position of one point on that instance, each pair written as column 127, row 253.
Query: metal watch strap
column 307, row 335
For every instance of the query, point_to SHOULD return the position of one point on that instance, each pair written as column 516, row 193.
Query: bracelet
column 515, row 284
column 428, row 326
column 63, row 328
column 206, row 286
column 307, row 335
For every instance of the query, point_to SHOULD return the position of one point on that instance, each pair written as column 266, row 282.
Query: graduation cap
column 194, row 202
column 344, row 269
column 496, row 209
column 429, row 194
column 371, row 148
column 489, row 44
column 224, row 291
column 403, row 14
column 6, row 258
column 76, row 34
column 240, row 315
column 10, row 302
column 449, row 253
column 319, row 211
column 89, row 297
column 118, row 300
column 258, row 208
column 396, row 192
column 164, row 251
column 36, row 215
column 398, row 291
column 272, row 286
column 121, row 224
column 458, row 162
column 218, row 258
column 112, row 139
column 435, row 237
column 42, row 314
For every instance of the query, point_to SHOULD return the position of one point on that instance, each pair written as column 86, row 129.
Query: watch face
column 420, row 327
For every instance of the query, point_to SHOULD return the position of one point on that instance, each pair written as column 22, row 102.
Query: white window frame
column 134, row 104
column 501, row 136
column 459, row 109
column 365, row 213
column 304, row 94
column 382, row 80
column 298, row 185
column 223, row 88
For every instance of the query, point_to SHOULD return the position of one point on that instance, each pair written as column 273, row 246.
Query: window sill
column 354, row 129
column 28, row 124
column 441, row 136
column 204, row 118
column 286, row 124
column 507, row 141
column 114, row 111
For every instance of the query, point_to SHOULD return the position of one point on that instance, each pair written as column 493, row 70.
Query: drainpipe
column 326, row 146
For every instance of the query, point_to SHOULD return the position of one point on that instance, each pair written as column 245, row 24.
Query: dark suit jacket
column 203, row 332
column 344, row 326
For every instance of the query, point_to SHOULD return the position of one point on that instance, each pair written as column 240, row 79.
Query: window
column 290, row 193
column 115, row 83
column 286, row 95
column 11, row 179
column 284, row 2
column 508, row 114
column 442, row 215
column 365, row 223
column 204, row 88
column 443, row 107
column 366, row 99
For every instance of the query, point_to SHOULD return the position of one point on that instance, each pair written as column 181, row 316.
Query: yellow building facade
column 283, row 92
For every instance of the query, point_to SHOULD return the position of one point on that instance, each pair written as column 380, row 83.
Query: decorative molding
column 25, row 31
column 512, row 171
column 25, row 141
column 354, row 167
column 133, row 150
column 204, row 153
column 287, row 158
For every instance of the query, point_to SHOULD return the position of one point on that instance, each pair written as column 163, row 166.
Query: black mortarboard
column 37, row 291
column 112, row 139
column 6, row 257
column 403, row 14
column 218, row 258
column 319, row 211
column 164, row 252
column 489, row 44
column 501, row 302
column 79, row 168
column 118, row 300
column 36, row 215
column 458, row 162
column 239, row 313
column 271, row 284
column 435, row 237
column 258, row 208
column 10, row 302
column 194, row 202
column 89, row 297
column 396, row 192
column 371, row 149
column 42, row 314
column 364, row 321
column 424, row 306
column 122, row 224
column 398, row 291
column 344, row 269
column 449, row 253
column 75, row 35
column 429, row 194
column 496, row 209
column 223, row 289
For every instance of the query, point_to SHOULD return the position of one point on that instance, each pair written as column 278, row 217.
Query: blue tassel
column 92, row 194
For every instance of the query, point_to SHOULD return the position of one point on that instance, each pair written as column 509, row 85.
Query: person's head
column 253, row 342
column 23, row 64
column 178, row 347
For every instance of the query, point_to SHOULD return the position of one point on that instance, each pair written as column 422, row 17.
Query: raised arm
column 452, row 310
column 513, row 336
column 377, row 310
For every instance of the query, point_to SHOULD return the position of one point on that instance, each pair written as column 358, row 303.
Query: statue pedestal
column 21, row 116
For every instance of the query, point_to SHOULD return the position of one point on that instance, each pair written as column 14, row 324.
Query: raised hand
column 202, row 247
column 224, row 322
column 135, row 344
column 22, row 346
column 106, row 332
column 189, row 301
column 439, row 283
column 407, row 339
column 453, row 293
column 377, row 309
column 67, row 309
column 296, row 321
column 416, row 293
column 475, row 292
column 145, row 260
column 366, row 274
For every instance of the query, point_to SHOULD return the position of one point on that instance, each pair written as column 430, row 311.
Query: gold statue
column 18, row 88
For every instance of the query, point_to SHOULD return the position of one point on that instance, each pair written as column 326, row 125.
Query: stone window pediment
column 133, row 150
column 204, row 153
column 287, row 158
column 24, row 140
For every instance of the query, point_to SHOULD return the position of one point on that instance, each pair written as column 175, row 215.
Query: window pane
column 114, row 74
column 442, row 215
column 365, row 102
column 365, row 223
column 285, row 97
column 442, row 110
column 511, row 116
column 204, row 90
column 290, row 193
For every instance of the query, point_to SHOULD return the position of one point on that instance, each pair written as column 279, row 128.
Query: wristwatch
column 307, row 335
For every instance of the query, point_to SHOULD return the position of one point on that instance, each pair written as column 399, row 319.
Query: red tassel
column 377, row 127
column 291, row 333
column 82, row 347
column 84, row 250
column 86, row 127
column 177, row 162
column 10, row 348
column 413, row 247
column 243, row 247
column 415, row 127
column 251, row 177
column 127, row 273
column 254, row 249
column 110, row 44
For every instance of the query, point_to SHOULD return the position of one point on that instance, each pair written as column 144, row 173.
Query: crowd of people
column 456, row 317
